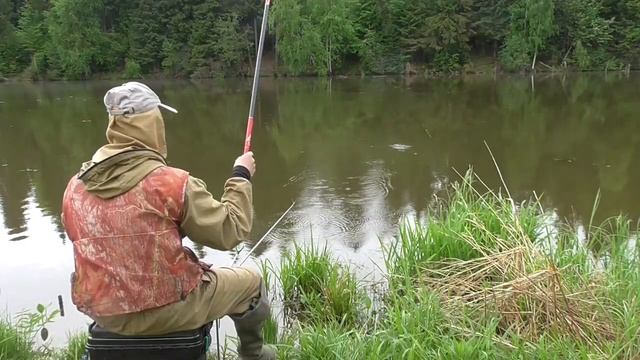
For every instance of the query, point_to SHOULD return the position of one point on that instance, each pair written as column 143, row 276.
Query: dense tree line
column 77, row 39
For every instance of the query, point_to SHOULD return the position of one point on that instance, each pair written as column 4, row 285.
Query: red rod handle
column 247, row 138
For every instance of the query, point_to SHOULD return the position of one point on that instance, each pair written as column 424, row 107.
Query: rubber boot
column 249, row 328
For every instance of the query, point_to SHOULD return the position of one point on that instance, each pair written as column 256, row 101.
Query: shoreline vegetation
column 419, row 71
column 19, row 337
column 88, row 39
column 486, row 278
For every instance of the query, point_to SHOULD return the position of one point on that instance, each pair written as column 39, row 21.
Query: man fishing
column 126, row 213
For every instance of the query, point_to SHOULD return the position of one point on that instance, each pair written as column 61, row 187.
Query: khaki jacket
column 136, row 147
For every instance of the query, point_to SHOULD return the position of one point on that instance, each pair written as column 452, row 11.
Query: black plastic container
column 186, row 345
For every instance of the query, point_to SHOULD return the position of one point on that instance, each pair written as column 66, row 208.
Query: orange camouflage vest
column 128, row 250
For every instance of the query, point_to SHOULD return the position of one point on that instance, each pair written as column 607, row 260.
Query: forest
column 85, row 39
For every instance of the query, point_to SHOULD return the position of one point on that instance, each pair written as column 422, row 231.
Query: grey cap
column 132, row 98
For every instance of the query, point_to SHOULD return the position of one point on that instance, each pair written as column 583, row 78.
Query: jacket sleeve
column 223, row 224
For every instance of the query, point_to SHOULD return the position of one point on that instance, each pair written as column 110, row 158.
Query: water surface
column 355, row 154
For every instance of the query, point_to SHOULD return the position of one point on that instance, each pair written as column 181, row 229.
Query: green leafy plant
column 35, row 323
column 132, row 70
column 17, row 339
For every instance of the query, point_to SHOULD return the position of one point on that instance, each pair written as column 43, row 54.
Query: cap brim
column 168, row 108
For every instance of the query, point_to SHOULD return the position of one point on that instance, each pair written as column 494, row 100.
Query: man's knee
column 238, row 287
column 249, row 279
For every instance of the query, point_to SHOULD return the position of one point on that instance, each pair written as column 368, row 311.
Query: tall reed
column 484, row 278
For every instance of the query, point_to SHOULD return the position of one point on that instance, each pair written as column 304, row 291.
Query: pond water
column 357, row 156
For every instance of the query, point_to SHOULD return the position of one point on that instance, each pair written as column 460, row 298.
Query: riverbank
column 487, row 279
column 477, row 65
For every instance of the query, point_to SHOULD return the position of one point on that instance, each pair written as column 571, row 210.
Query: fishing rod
column 256, row 79
column 252, row 107
column 252, row 112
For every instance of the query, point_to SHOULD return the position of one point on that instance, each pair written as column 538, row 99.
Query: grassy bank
column 13, row 344
column 18, row 338
column 487, row 279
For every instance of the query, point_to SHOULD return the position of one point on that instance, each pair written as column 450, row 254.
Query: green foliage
column 426, row 311
column 203, row 41
column 175, row 47
column 299, row 45
column 233, row 45
column 336, row 29
column 516, row 52
column 33, row 35
column 626, row 28
column 532, row 24
column 490, row 220
column 132, row 70
column 17, row 340
column 582, row 57
column 173, row 57
column 447, row 27
column 76, row 39
column 313, row 36
column 10, row 54
column 318, row 290
column 490, row 20
column 447, row 62
column 145, row 36
column 270, row 330
column 14, row 344
column 378, row 36
column 583, row 33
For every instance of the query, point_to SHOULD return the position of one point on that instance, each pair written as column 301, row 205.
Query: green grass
column 484, row 279
column 13, row 343
column 75, row 349
column 17, row 338
column 464, row 225
column 316, row 289
column 270, row 329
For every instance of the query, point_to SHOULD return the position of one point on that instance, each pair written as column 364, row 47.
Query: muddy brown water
column 357, row 155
